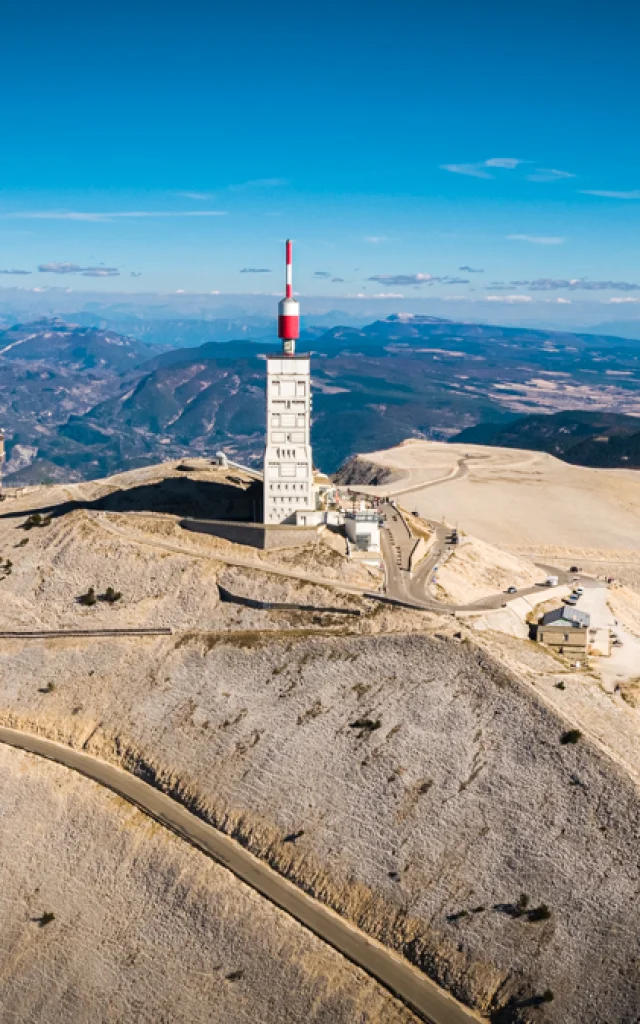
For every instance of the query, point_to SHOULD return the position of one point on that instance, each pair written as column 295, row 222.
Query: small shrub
column 46, row 919
column 49, row 688
column 570, row 736
column 452, row 918
column 541, row 913
column 21, row 544
column 88, row 599
column 291, row 838
column 35, row 519
column 547, row 996
column 111, row 596
column 235, row 975
column 560, row 685
column 365, row 724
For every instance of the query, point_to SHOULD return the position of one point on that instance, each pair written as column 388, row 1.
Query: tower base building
column 288, row 465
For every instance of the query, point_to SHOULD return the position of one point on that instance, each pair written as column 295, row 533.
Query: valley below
column 80, row 402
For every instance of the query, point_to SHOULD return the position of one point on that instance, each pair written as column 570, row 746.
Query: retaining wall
column 254, row 535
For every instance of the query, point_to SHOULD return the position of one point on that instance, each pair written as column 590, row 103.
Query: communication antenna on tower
column 288, row 310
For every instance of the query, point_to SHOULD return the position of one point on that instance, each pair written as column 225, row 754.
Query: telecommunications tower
column 289, row 493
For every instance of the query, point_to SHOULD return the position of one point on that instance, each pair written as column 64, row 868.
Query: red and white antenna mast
column 289, row 311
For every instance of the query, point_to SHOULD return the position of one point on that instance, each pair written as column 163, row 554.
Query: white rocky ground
column 424, row 829
column 146, row 928
column 476, row 569
column 512, row 498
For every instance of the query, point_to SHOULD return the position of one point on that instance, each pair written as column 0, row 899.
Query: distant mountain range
column 582, row 437
column 79, row 401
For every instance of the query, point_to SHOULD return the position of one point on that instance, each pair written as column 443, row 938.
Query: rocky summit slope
column 396, row 772
column 106, row 917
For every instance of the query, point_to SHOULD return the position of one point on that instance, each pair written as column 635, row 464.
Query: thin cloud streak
column 537, row 239
column 478, row 170
column 470, row 170
column 83, row 215
column 549, row 174
column 633, row 194
column 73, row 268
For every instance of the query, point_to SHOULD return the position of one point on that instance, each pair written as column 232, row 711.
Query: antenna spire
column 288, row 309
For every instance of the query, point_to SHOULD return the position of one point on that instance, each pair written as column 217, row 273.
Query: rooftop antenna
column 288, row 310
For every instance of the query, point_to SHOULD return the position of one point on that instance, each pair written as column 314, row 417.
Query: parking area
column 623, row 664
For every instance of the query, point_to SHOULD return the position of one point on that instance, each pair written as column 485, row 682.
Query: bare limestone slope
column 402, row 776
column 516, row 499
column 144, row 927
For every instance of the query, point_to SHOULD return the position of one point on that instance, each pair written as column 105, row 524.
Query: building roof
column 567, row 616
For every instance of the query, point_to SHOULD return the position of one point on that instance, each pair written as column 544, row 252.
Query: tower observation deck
column 288, row 464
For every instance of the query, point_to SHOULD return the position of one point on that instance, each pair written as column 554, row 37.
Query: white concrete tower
column 288, row 465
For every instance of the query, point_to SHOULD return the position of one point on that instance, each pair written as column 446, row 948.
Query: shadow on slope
column 179, row 496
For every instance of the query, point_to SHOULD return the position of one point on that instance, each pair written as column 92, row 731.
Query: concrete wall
column 418, row 552
column 252, row 602
column 254, row 535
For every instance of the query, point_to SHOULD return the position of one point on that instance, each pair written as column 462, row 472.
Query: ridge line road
column 407, row 983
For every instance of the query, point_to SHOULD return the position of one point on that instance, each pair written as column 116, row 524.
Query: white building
column 363, row 530
column 288, row 465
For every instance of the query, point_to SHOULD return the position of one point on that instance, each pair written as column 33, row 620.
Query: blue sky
column 155, row 147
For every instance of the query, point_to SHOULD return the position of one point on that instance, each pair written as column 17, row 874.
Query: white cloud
column 73, row 268
column 627, row 298
column 259, row 183
column 537, row 239
column 549, row 174
column 387, row 295
column 633, row 194
column 403, row 279
column 374, row 239
column 508, row 298
column 563, row 302
column 82, row 215
column 195, row 195
column 478, row 170
column 471, row 170
column 507, row 163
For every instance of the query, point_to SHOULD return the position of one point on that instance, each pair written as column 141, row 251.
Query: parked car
column 512, row 590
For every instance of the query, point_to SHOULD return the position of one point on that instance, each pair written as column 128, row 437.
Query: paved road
column 406, row 982
column 412, row 588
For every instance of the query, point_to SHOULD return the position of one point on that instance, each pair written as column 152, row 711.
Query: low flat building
column 566, row 629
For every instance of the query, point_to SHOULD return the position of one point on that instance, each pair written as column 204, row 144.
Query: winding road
column 410, row 985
